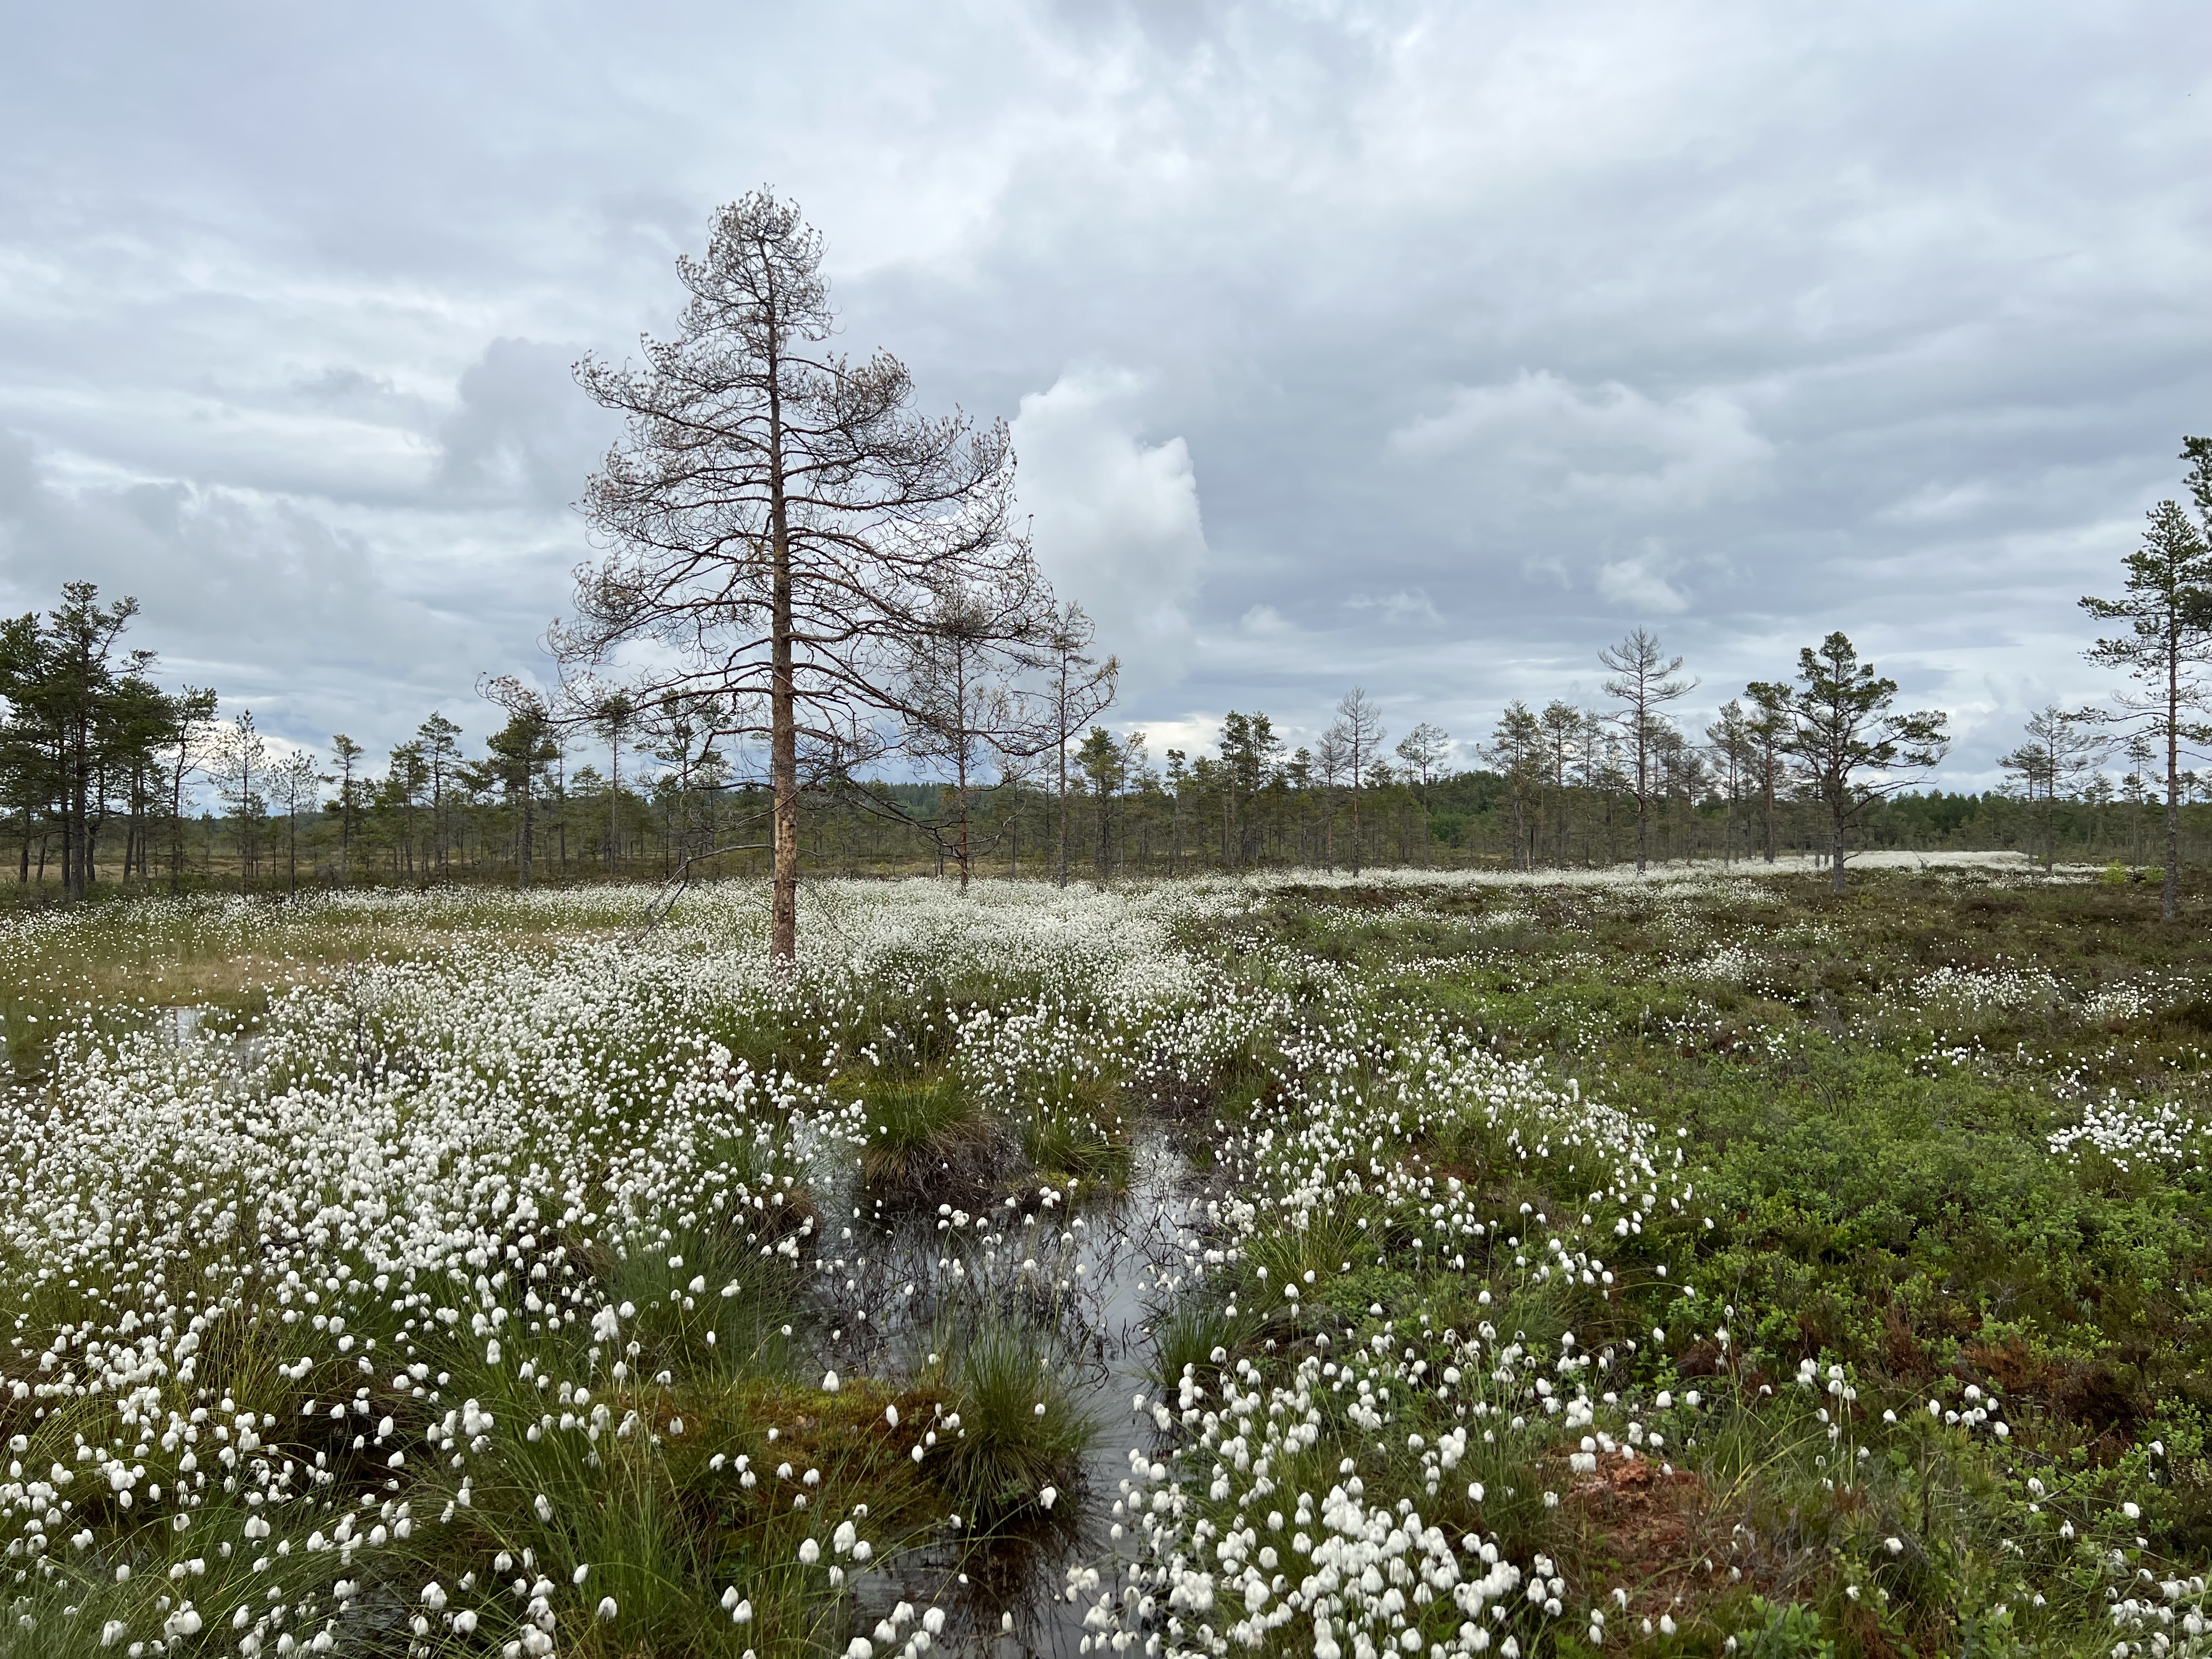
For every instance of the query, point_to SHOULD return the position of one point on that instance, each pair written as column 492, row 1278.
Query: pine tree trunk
column 2169, row 898
column 960, row 780
column 177, row 827
column 1062, row 802
column 522, row 840
column 783, row 714
column 1642, row 797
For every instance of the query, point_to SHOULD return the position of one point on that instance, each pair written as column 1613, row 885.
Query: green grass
column 929, row 1140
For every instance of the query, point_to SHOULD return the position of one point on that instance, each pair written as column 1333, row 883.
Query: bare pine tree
column 781, row 520
column 1643, row 682
column 300, row 787
column 961, row 712
column 241, row 768
column 1078, row 689
column 2062, row 750
column 1424, row 749
column 1358, row 732
column 1515, row 752
column 2136, row 789
column 612, row 717
column 189, row 743
column 1330, row 757
column 1735, row 754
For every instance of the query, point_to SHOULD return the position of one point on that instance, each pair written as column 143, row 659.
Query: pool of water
column 1088, row 1281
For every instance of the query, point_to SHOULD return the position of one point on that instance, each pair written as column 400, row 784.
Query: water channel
column 1117, row 1268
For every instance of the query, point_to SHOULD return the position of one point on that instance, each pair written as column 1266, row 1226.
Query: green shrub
column 1784, row 1631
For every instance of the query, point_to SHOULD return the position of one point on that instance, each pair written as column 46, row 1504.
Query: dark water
column 1007, row 1597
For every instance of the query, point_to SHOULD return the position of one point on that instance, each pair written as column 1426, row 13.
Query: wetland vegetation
column 1427, row 1262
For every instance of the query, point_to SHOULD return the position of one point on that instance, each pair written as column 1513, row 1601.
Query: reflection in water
column 1083, row 1281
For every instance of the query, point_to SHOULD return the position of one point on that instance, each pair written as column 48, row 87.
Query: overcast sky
column 1424, row 348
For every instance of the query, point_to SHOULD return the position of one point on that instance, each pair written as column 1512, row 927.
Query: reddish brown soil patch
column 1645, row 1521
column 1641, row 1500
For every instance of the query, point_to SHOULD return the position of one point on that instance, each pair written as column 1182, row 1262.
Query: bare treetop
column 1643, row 674
column 1358, row 735
column 1644, row 679
column 782, row 523
column 742, row 433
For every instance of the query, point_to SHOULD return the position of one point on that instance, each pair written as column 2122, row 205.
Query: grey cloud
column 1887, row 319
column 522, row 431
column 1408, row 606
column 1542, row 436
column 1640, row 585
column 263, row 598
column 1115, row 519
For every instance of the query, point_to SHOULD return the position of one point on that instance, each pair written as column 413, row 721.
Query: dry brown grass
column 110, row 962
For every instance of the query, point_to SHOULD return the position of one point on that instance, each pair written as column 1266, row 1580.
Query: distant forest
column 138, row 788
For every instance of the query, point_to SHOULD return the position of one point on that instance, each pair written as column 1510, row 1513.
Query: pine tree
column 346, row 755
column 781, row 520
column 1643, row 681
column 2167, row 611
column 1854, row 750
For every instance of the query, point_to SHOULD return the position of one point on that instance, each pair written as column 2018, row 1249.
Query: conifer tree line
column 853, row 661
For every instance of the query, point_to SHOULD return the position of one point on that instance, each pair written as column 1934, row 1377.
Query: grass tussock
column 1020, row 1431
column 930, row 1141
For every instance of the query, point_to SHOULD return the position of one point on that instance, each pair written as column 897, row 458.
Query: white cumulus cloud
column 1635, row 585
column 1117, row 526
